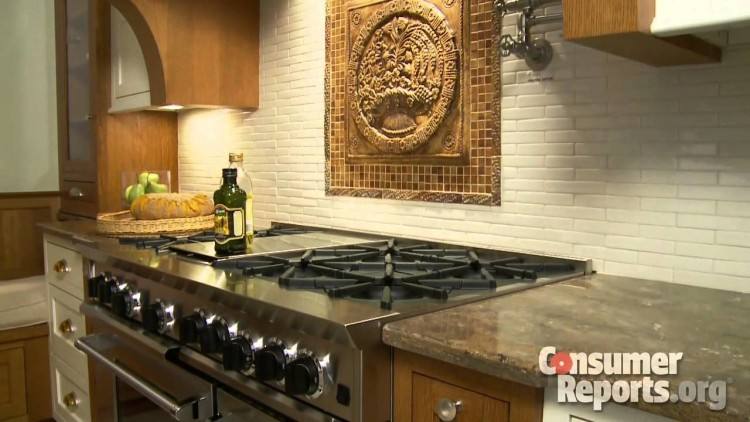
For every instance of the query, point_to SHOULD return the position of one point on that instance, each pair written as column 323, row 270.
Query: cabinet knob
column 66, row 327
column 61, row 266
column 70, row 401
column 76, row 192
column 447, row 409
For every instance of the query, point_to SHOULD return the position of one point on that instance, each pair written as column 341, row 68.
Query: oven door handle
column 194, row 409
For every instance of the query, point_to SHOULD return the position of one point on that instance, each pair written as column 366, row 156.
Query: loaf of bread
column 156, row 206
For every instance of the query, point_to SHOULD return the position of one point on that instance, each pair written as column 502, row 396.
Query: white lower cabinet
column 69, row 366
column 582, row 412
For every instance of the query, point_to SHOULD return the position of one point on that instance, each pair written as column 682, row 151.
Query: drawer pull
column 66, row 327
column 71, row 401
column 61, row 266
column 76, row 192
column 446, row 409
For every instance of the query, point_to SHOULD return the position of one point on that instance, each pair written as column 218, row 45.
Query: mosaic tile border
column 478, row 182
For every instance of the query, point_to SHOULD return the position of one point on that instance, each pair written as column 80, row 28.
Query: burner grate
column 390, row 272
column 162, row 243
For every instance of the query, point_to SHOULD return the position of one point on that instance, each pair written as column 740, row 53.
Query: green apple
column 153, row 177
column 143, row 178
column 135, row 191
column 156, row 188
column 126, row 194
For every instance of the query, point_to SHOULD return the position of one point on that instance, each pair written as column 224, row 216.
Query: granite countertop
column 79, row 230
column 598, row 313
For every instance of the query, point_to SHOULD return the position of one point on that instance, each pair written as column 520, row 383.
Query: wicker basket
column 123, row 223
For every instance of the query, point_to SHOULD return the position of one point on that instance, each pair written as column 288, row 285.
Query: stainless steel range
column 290, row 330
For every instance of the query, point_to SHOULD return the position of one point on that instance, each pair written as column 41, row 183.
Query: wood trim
column 525, row 403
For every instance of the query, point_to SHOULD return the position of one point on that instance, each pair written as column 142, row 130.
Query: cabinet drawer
column 64, row 269
column 71, row 402
column 66, row 325
column 79, row 198
column 428, row 393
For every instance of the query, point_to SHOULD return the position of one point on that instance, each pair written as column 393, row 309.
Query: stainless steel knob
column 447, row 409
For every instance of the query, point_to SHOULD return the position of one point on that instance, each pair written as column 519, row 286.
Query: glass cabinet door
column 80, row 136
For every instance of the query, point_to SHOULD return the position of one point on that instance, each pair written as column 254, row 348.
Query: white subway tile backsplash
column 644, row 170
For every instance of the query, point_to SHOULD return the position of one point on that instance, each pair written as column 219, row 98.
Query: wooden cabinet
column 185, row 53
column 24, row 374
column 623, row 28
column 423, row 387
column 95, row 146
column 130, row 87
column 20, row 237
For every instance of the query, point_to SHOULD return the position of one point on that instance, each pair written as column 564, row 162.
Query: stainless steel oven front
column 138, row 377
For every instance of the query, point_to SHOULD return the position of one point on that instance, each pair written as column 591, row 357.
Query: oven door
column 134, row 378
column 232, row 408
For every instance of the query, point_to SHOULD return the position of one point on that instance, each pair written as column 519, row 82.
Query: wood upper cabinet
column 425, row 386
column 96, row 147
column 187, row 53
column 129, row 79
column 623, row 28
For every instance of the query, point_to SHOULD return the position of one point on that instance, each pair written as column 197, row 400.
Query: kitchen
column 600, row 178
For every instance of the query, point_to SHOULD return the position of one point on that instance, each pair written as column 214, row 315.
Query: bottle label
column 229, row 223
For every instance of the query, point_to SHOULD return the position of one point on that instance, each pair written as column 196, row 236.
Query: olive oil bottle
column 243, row 180
column 229, row 215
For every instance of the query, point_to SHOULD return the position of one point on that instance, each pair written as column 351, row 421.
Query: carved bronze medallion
column 412, row 100
column 402, row 75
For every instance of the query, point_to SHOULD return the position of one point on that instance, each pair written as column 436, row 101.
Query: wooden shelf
column 622, row 28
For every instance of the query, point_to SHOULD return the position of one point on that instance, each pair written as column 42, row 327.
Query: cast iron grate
column 389, row 272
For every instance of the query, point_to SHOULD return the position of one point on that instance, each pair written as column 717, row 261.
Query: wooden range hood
column 197, row 53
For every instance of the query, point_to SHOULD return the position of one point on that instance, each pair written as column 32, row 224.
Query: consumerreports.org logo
column 649, row 389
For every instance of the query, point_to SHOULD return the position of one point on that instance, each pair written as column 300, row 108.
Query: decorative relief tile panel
column 413, row 100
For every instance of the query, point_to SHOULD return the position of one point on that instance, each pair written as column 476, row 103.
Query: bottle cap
column 236, row 157
column 229, row 172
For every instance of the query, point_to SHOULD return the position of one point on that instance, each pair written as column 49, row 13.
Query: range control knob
column 126, row 301
column 191, row 326
column 214, row 336
column 158, row 317
column 270, row 362
column 302, row 376
column 94, row 283
column 106, row 288
column 238, row 354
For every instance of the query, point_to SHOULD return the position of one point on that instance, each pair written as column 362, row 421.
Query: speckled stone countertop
column 598, row 313
column 80, row 230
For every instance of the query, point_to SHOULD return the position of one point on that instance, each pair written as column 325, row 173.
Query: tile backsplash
column 644, row 170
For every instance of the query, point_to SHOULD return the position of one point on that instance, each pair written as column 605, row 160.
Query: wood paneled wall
column 21, row 251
